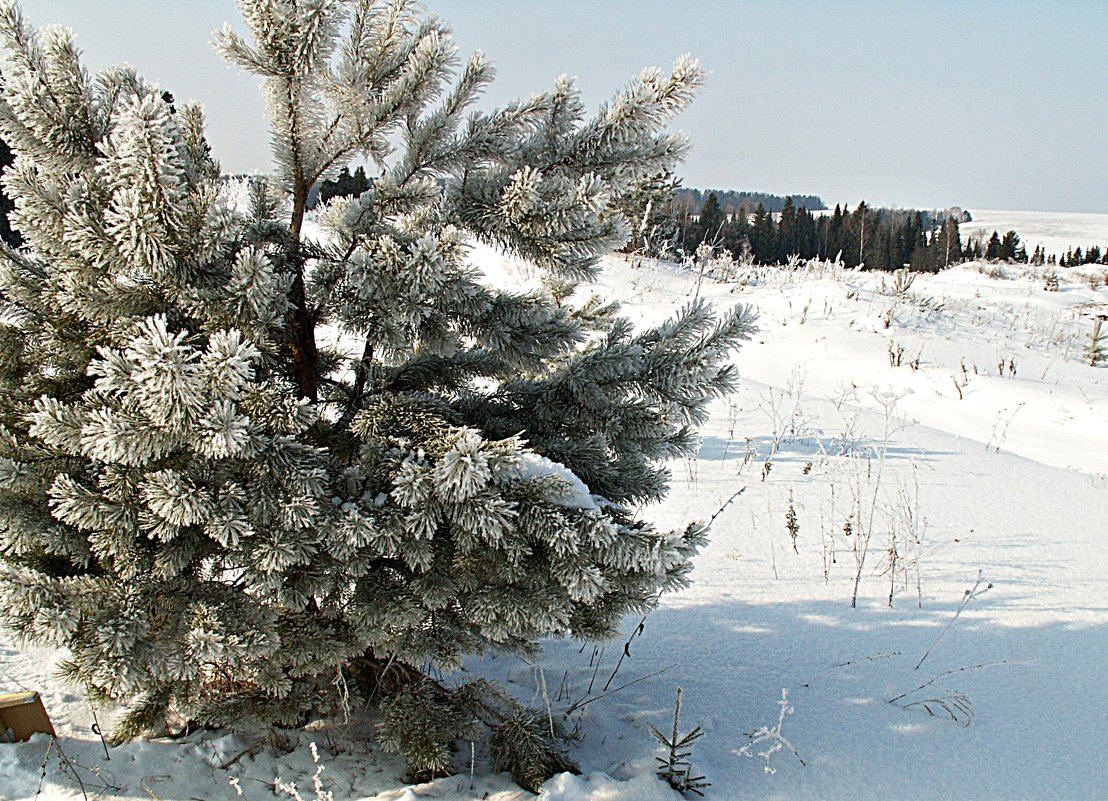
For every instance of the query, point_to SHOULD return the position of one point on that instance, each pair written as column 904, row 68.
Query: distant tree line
column 675, row 221
column 1074, row 258
column 1008, row 248
column 691, row 201
column 879, row 239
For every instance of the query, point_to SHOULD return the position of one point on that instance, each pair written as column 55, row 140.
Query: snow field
column 1056, row 231
column 1004, row 480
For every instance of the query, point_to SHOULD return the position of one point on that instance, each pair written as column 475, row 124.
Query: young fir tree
column 227, row 518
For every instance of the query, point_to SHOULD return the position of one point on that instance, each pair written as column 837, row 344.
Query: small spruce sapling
column 675, row 766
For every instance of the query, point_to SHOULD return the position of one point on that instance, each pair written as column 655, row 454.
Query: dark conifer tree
column 992, row 249
column 786, row 232
column 922, row 252
column 951, row 241
column 763, row 236
column 835, row 234
column 711, row 218
column 1010, row 249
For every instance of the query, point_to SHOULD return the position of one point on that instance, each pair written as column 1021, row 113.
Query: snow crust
column 982, row 455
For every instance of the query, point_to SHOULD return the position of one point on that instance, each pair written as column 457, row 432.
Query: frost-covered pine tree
column 229, row 515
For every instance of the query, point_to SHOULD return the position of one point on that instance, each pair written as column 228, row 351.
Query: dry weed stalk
column 973, row 592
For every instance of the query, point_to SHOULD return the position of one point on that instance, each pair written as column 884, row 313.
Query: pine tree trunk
column 302, row 328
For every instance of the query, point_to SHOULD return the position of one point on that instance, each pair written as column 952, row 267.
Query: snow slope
column 1057, row 232
column 969, row 483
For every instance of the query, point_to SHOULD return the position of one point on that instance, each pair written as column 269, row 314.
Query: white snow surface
column 981, row 460
column 1056, row 231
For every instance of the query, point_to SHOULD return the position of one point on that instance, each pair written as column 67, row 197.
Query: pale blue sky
column 982, row 104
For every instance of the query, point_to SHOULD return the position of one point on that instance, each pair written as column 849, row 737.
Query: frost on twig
column 771, row 737
column 290, row 789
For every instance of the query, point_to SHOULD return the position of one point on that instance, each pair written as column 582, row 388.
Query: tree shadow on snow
column 999, row 708
column 714, row 448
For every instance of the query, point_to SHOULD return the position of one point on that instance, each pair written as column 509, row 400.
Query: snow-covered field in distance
column 1057, row 232
column 923, row 439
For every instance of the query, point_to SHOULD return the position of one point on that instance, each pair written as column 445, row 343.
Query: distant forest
column 692, row 200
column 770, row 229
column 880, row 239
column 877, row 238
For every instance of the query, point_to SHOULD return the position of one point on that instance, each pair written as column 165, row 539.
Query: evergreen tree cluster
column 1007, row 248
column 690, row 201
column 880, row 239
column 227, row 517
column 344, row 184
column 1075, row 257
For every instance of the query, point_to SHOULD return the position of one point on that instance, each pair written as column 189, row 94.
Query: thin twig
column 969, row 595
column 851, row 663
column 927, row 684
column 627, row 649
column 72, row 768
column 16, row 681
column 726, row 503
column 45, row 761
column 99, row 733
column 582, row 704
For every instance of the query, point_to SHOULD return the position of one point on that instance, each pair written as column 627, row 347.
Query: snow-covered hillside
column 937, row 453
column 1057, row 232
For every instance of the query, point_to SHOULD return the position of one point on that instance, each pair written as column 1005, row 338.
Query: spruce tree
column 225, row 514
column 992, row 248
column 763, row 236
column 711, row 218
column 1010, row 248
column 787, row 244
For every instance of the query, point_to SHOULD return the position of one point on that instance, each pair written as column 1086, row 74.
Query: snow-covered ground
column 1057, row 232
column 944, row 454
